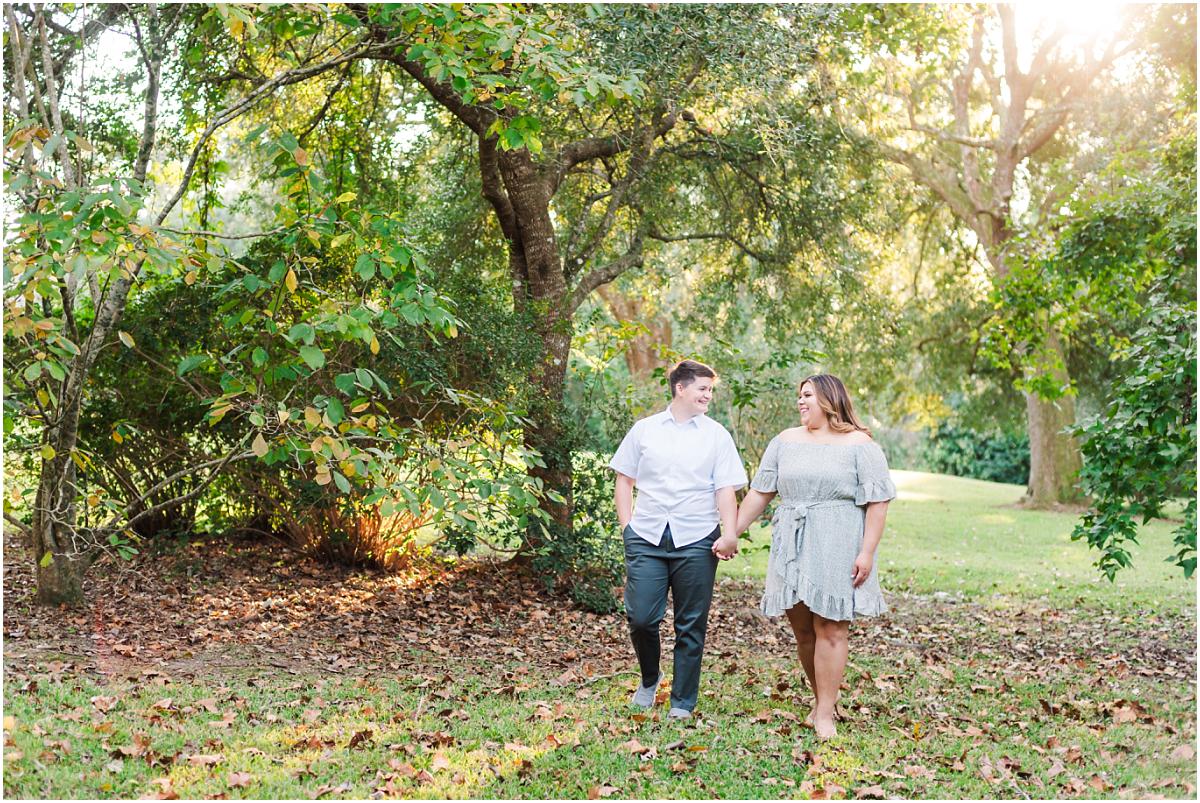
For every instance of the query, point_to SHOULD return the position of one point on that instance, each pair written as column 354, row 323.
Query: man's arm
column 624, row 499
column 727, row 545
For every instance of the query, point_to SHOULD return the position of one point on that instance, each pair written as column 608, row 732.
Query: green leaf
column 33, row 371
column 364, row 266
column 313, row 356
column 47, row 559
column 302, row 332
column 188, row 363
column 345, row 383
column 341, row 482
column 335, row 411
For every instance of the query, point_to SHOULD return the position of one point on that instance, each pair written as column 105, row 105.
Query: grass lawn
column 1026, row 679
column 967, row 538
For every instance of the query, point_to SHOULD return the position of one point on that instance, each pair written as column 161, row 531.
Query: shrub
column 589, row 563
column 993, row 455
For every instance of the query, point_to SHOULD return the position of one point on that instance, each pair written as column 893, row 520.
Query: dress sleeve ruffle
column 874, row 480
column 766, row 479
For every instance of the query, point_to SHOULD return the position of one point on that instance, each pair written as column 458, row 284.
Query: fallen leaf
column 240, row 780
column 635, row 747
column 1184, row 752
column 597, row 792
column 205, row 760
column 871, row 793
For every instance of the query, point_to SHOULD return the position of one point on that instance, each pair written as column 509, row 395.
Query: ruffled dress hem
column 827, row 606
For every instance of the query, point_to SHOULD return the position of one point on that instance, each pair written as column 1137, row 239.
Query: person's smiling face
column 694, row 399
column 811, row 414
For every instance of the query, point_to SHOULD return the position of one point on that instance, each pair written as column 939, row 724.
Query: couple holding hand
column 833, row 486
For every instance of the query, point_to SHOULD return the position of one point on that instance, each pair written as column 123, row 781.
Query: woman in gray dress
column 833, row 486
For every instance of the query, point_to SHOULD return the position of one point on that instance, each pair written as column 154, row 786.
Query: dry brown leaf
column 240, row 780
column 597, row 792
column 871, row 793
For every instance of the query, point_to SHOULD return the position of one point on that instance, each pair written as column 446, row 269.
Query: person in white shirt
column 687, row 470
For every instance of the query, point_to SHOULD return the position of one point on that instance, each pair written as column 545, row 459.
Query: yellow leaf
column 259, row 447
column 358, row 408
column 116, row 436
column 314, row 237
column 374, row 345
column 312, row 417
column 236, row 26
column 189, row 278
column 346, row 197
column 43, row 398
column 283, row 417
column 126, row 338
column 48, row 452
column 341, row 238
column 47, row 559
column 323, row 477
column 290, row 281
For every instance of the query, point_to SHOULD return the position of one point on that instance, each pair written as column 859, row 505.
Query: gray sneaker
column 680, row 713
column 644, row 696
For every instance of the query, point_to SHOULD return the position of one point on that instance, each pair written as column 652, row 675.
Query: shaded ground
column 216, row 605
column 310, row 680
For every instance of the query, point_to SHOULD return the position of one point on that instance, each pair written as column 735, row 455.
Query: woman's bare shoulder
column 858, row 436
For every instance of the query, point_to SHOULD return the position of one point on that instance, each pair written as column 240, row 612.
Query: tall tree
column 599, row 129
column 973, row 137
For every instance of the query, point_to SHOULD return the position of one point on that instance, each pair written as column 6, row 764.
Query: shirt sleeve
column 767, row 477
column 629, row 453
column 728, row 470
column 874, row 480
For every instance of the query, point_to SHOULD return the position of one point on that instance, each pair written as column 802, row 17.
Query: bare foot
column 825, row 728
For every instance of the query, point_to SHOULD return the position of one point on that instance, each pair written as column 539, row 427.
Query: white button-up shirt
column 678, row 469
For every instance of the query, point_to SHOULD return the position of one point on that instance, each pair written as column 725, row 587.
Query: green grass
column 1032, row 680
column 967, row 537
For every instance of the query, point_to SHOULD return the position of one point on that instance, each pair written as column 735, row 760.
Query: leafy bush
column 1140, row 453
column 589, row 563
column 993, row 455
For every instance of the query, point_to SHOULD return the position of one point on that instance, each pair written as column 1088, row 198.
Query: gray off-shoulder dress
column 817, row 530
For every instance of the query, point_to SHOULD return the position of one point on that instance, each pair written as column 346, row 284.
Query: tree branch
column 604, row 274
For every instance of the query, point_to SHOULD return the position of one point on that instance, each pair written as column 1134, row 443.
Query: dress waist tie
column 788, row 528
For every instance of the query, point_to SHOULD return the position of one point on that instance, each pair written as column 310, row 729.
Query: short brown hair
column 686, row 372
column 835, row 402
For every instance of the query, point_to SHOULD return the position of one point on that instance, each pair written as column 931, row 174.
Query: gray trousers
column 689, row 573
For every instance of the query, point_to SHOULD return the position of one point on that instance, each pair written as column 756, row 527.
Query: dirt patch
column 225, row 607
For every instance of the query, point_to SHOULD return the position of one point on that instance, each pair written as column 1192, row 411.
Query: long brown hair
column 835, row 402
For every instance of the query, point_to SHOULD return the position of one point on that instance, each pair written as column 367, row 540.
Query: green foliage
column 589, row 564
column 995, row 455
column 1140, row 453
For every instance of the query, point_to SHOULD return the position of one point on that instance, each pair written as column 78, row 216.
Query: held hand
column 726, row 547
column 862, row 568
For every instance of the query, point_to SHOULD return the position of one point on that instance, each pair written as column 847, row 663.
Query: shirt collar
column 666, row 416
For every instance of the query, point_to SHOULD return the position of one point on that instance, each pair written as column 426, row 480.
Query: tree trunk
column 1054, row 456
column 59, row 558
column 542, row 289
column 641, row 355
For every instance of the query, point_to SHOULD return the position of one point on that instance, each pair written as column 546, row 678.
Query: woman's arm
column 872, row 532
column 752, row 507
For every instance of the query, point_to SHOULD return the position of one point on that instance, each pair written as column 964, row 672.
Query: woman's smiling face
column 811, row 414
